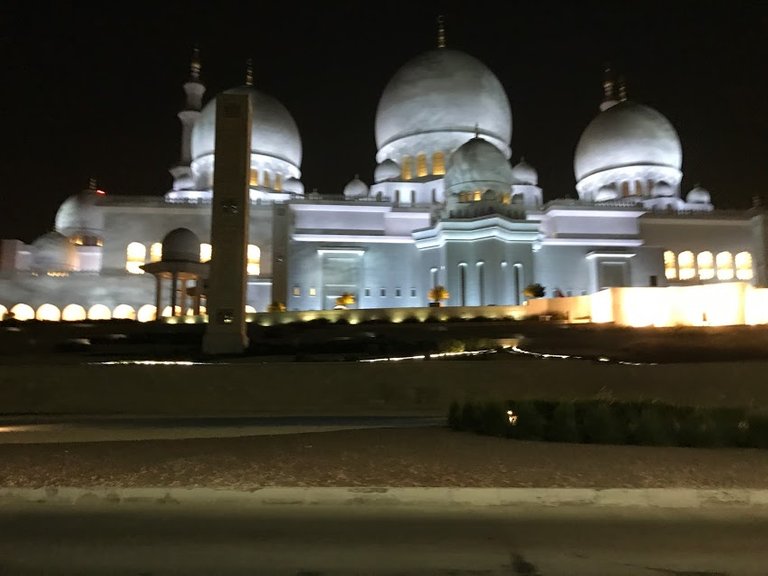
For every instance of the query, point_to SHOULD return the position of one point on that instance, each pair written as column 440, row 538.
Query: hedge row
column 609, row 422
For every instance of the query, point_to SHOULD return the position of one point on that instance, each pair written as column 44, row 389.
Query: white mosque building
column 445, row 206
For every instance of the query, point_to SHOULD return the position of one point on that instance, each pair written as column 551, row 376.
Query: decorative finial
column 92, row 183
column 608, row 84
column 249, row 72
column 194, row 65
column 622, row 90
column 441, row 31
column 477, row 130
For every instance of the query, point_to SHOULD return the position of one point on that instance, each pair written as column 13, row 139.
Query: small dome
column 80, row 214
column 53, row 252
column 181, row 245
column 698, row 195
column 478, row 165
column 627, row 134
column 355, row 188
column 524, row 173
column 387, row 170
column 662, row 190
column 293, row 186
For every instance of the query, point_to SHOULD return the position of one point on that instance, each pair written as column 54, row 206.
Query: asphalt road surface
column 321, row 541
column 29, row 430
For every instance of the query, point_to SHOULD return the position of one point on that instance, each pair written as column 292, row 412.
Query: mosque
column 445, row 206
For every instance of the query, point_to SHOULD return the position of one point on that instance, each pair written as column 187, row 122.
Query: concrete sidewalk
column 677, row 498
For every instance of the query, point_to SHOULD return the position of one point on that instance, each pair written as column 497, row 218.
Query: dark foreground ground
column 377, row 457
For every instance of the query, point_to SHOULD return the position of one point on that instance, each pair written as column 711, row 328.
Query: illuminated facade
column 445, row 207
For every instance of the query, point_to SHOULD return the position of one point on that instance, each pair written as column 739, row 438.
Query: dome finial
column 194, row 65
column 249, row 72
column 622, row 90
column 609, row 89
column 441, row 31
column 477, row 130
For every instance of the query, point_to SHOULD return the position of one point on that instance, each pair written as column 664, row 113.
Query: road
column 378, row 540
column 29, row 430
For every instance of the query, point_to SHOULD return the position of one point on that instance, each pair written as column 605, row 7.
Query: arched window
column 744, row 266
column 156, row 252
column 518, row 281
column 3, row 312
column 253, row 179
column 686, row 265
column 407, row 170
column 278, row 183
column 250, row 309
column 167, row 311
column 421, row 165
column 477, row 196
column 670, row 265
column 124, row 312
column 99, row 312
column 438, row 164
column 724, row 263
column 22, row 312
column 254, row 260
column 146, row 313
column 135, row 256
column 205, row 252
column 267, row 180
column 706, row 265
column 48, row 312
column 73, row 313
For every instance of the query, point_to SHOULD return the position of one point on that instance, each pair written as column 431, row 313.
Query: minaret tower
column 441, row 31
column 194, row 90
column 609, row 90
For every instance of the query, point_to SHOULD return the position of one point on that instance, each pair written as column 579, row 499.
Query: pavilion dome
column 436, row 101
column 356, row 188
column 181, row 245
column 478, row 165
column 524, row 173
column 698, row 195
column 627, row 134
column 387, row 170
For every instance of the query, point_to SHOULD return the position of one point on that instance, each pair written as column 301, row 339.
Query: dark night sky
column 95, row 92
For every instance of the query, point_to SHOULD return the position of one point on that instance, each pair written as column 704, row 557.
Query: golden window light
column 670, row 265
column 744, row 266
column 706, row 265
column 254, row 260
column 724, row 263
column 685, row 263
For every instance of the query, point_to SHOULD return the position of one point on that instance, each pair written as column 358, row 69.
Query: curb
column 684, row 498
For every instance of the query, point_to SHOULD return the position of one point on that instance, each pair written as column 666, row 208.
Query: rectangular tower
column 227, row 281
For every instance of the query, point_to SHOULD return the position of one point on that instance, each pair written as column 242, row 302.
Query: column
column 174, row 291
column 158, row 295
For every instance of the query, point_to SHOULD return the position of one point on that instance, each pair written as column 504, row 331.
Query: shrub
column 697, row 428
column 529, row 424
column 655, row 426
column 757, row 432
column 563, row 427
column 599, row 424
column 454, row 416
column 493, row 419
column 469, row 417
column 450, row 346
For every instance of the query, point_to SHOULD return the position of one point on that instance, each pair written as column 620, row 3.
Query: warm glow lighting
column 146, row 313
column 48, row 312
column 254, row 260
column 135, row 256
column 686, row 266
column 706, row 264
column 3, row 312
column 744, row 266
column 250, row 309
column 670, row 265
column 124, row 312
column 23, row 312
column 206, row 250
column 438, row 164
column 421, row 165
column 156, row 252
column 724, row 263
column 99, row 312
column 73, row 313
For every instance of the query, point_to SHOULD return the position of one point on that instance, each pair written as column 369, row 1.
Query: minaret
column 622, row 90
column 609, row 90
column 249, row 72
column 194, row 90
column 441, row 31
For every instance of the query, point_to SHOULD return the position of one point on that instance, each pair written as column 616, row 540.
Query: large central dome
column 436, row 102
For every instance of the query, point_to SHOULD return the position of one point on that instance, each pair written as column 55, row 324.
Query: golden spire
column 441, row 31
column 194, row 65
column 249, row 72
